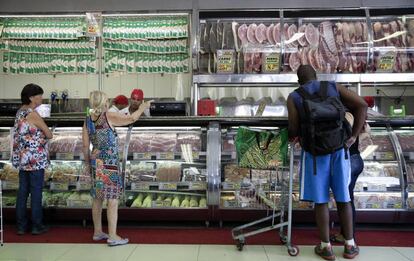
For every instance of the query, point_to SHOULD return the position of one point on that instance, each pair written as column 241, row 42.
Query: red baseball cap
column 370, row 101
column 120, row 99
column 137, row 94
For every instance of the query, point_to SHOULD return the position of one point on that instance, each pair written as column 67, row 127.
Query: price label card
column 83, row 186
column 271, row 61
column 230, row 186
column 376, row 187
column 141, row 156
column 59, row 186
column 198, row 185
column 389, row 155
column 225, row 61
column 233, row 155
column 157, row 204
column 196, row 155
column 10, row 185
column 411, row 155
column 140, row 186
column 373, row 205
column 167, row 186
column 64, row 156
column 165, row 155
column 5, row 155
column 386, row 62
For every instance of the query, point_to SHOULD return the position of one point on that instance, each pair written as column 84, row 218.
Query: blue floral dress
column 106, row 177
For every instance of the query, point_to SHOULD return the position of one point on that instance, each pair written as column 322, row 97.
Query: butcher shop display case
column 343, row 44
column 166, row 168
column 405, row 137
column 393, row 44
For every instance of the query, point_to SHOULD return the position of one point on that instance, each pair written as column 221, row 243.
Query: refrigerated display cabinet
column 193, row 164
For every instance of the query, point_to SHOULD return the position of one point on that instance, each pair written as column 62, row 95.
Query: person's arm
column 293, row 119
column 35, row 119
column 358, row 108
column 85, row 144
column 117, row 119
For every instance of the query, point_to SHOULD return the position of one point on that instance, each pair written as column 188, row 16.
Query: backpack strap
column 304, row 94
column 323, row 90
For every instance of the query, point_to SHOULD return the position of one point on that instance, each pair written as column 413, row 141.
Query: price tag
column 64, row 156
column 165, row 155
column 83, row 186
column 141, row 156
column 140, row 186
column 411, row 155
column 389, row 155
column 386, row 62
column 373, row 205
column 233, row 155
column 230, row 186
column 225, row 61
column 376, row 187
column 198, row 185
column 5, row 155
column 196, row 155
column 167, row 186
column 271, row 62
column 230, row 204
column 157, row 204
column 93, row 27
column 10, row 185
column 59, row 186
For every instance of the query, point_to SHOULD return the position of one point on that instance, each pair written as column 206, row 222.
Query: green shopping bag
column 261, row 149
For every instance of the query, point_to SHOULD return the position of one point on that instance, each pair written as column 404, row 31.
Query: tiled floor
column 93, row 252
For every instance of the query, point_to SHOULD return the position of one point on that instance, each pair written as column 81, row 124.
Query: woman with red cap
column 102, row 162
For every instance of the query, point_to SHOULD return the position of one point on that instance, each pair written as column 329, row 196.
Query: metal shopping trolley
column 276, row 196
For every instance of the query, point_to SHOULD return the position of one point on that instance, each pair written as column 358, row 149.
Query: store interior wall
column 79, row 86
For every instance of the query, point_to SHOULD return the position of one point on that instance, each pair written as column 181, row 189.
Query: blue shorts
column 333, row 172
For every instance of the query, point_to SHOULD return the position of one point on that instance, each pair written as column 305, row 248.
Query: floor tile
column 408, row 252
column 35, row 252
column 379, row 254
column 280, row 253
column 230, row 253
column 165, row 252
column 101, row 252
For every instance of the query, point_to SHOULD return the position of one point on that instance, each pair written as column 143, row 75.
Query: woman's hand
column 145, row 105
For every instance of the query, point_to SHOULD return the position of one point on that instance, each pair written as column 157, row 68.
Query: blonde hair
column 98, row 102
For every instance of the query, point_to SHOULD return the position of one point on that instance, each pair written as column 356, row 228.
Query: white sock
column 323, row 244
column 350, row 242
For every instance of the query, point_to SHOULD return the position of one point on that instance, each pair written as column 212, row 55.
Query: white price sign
column 198, row 186
column 140, row 186
column 167, row 186
column 59, row 186
column 64, row 156
column 5, row 155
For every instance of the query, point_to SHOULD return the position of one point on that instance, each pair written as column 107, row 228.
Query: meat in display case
column 166, row 168
column 328, row 45
column 393, row 44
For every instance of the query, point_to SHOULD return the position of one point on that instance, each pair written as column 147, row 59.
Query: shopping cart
column 276, row 197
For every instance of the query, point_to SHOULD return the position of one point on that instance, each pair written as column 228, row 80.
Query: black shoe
column 40, row 230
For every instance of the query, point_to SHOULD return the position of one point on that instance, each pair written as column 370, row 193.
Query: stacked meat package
column 328, row 45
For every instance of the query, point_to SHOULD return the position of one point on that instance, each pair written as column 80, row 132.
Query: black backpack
column 324, row 128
